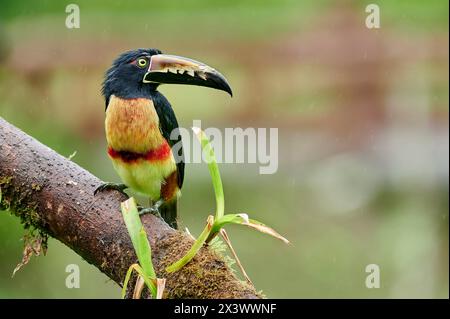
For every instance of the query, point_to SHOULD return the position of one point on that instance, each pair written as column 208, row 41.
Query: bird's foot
column 150, row 210
column 114, row 186
column 154, row 210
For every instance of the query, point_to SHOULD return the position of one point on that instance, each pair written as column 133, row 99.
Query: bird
column 144, row 145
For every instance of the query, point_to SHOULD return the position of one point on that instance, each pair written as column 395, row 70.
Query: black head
column 124, row 77
column 138, row 73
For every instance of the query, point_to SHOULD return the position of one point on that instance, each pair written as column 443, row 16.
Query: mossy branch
column 55, row 196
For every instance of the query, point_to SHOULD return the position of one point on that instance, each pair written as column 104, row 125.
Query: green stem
column 194, row 249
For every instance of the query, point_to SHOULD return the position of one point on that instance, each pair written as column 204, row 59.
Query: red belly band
column 157, row 154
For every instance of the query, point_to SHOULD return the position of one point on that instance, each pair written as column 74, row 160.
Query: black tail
column 168, row 212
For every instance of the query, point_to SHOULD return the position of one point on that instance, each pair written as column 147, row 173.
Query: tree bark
column 56, row 196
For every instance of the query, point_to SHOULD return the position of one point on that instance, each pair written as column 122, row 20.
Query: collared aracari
column 139, row 122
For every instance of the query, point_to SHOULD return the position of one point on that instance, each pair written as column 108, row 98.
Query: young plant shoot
column 215, row 223
column 144, row 269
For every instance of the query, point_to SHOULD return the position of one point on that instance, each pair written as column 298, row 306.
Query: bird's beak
column 178, row 70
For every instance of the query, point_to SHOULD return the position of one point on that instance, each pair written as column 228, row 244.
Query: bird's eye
column 142, row 63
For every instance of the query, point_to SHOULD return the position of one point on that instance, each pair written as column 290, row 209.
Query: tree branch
column 55, row 195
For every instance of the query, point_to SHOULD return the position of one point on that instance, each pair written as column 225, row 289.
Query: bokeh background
column 363, row 132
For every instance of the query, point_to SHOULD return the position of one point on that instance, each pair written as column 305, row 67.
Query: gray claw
column 106, row 186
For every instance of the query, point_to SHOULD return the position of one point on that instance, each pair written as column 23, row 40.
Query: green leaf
column 145, row 258
column 141, row 246
column 127, row 279
column 210, row 158
column 229, row 219
column 242, row 219
column 138, row 236
column 264, row 229
column 132, row 221
column 149, row 282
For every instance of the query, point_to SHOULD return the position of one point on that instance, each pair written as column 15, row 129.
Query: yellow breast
column 132, row 125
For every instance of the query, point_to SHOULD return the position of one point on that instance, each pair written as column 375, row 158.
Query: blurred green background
column 363, row 133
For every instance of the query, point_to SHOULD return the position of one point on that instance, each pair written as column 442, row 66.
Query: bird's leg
column 115, row 186
column 140, row 207
column 153, row 209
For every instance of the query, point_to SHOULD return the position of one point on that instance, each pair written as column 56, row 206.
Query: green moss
column 5, row 180
column 36, row 187
column 17, row 200
column 206, row 276
column 4, row 184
